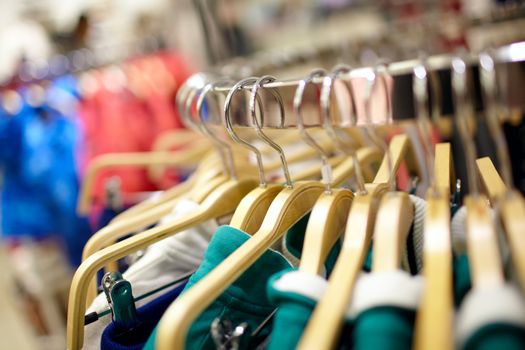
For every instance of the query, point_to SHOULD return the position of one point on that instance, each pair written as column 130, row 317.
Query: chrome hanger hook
column 229, row 126
column 372, row 82
column 492, row 108
column 218, row 142
column 419, row 88
column 326, row 91
column 326, row 169
column 259, row 84
column 463, row 114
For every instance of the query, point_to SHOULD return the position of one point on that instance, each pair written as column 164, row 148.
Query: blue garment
column 149, row 314
column 40, row 189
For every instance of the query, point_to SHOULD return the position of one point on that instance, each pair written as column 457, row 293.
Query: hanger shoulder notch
column 325, row 225
column 250, row 213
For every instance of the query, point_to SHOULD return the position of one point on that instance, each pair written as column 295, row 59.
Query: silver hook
column 220, row 143
column 463, row 113
column 259, row 84
column 488, row 84
column 297, row 104
column 184, row 102
column 419, row 88
column 234, row 136
column 372, row 82
column 326, row 91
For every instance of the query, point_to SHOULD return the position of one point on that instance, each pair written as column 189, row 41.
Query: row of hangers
column 226, row 183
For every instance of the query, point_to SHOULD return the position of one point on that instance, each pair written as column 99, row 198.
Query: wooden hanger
column 250, row 213
column 187, row 157
column 290, row 205
column 205, row 183
column 512, row 213
column 502, row 192
column 482, row 242
column 222, row 201
column 330, row 212
column 324, row 326
column 433, row 326
column 172, row 140
column 492, row 183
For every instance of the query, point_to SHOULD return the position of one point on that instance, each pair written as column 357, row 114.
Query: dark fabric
column 497, row 336
column 149, row 314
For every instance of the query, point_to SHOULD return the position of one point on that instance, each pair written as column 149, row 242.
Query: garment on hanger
column 162, row 263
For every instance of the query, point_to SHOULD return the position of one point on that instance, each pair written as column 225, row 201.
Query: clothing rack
column 509, row 60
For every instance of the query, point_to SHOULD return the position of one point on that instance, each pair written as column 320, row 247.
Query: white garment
column 484, row 306
column 393, row 288
column 164, row 262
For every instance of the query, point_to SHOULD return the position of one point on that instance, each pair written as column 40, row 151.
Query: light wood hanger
column 330, row 212
column 502, row 193
column 187, row 158
column 208, row 169
column 512, row 212
column 290, row 205
column 325, row 324
column 433, row 326
column 393, row 220
column 492, row 183
column 206, row 181
column 222, row 201
column 171, row 140
column 482, row 242
column 250, row 213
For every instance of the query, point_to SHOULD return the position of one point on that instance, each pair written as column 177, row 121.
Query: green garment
column 497, row 336
column 462, row 282
column 384, row 328
column 294, row 311
column 244, row 301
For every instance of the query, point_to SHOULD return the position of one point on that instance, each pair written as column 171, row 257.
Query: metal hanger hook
column 260, row 84
column 464, row 112
column 297, row 104
column 229, row 126
column 492, row 108
column 419, row 88
column 379, row 141
column 206, row 131
column 349, row 149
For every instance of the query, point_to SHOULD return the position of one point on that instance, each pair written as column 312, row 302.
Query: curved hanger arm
column 112, row 160
column 288, row 207
column 512, row 212
column 221, row 202
column 433, row 329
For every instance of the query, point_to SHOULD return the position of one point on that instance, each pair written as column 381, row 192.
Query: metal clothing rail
column 509, row 60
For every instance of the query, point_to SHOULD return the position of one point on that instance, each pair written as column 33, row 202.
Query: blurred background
column 80, row 79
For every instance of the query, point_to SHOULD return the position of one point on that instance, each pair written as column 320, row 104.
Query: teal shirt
column 385, row 328
column 244, row 301
column 294, row 308
column 497, row 336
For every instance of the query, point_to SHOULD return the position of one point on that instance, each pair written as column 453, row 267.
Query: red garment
column 127, row 110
